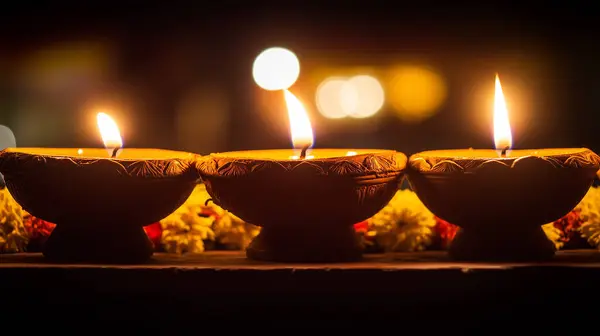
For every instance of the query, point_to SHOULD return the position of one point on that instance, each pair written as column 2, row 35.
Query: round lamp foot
column 98, row 244
column 315, row 244
column 502, row 245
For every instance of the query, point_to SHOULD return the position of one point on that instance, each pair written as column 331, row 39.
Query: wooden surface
column 229, row 260
column 231, row 272
column 226, row 284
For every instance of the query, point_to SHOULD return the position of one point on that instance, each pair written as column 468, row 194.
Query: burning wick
column 303, row 152
column 503, row 153
column 114, row 153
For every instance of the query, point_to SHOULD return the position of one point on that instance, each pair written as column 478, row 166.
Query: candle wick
column 114, row 153
column 303, row 152
column 503, row 153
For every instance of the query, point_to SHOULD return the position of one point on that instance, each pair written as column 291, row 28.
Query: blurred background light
column 356, row 97
column 7, row 138
column 65, row 70
column 416, row 93
column 328, row 98
column 51, row 84
column 167, row 89
column 363, row 96
column 276, row 69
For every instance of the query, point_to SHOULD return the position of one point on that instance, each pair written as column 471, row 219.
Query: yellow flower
column 405, row 224
column 184, row 231
column 230, row 229
column 13, row 236
column 589, row 209
column 553, row 234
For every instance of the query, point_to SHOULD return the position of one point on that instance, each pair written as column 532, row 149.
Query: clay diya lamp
column 99, row 202
column 306, row 203
column 501, row 198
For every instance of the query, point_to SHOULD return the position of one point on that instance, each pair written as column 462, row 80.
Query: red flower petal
column 154, row 232
column 362, row 226
column 446, row 231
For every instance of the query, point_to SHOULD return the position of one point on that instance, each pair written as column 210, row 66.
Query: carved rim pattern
column 356, row 165
column 584, row 158
column 14, row 163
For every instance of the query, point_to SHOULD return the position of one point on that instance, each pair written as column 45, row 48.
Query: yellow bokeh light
column 276, row 69
column 363, row 96
column 329, row 100
column 416, row 93
column 356, row 97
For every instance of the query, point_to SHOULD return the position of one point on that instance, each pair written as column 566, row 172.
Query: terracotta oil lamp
column 100, row 199
column 306, row 201
column 501, row 198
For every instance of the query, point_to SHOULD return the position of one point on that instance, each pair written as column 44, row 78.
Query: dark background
column 142, row 61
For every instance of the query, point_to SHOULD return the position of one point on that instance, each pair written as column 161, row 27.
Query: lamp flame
column 300, row 127
column 109, row 132
column 502, row 132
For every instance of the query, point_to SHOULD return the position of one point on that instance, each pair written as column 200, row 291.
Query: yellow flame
column 300, row 127
column 502, row 132
column 109, row 131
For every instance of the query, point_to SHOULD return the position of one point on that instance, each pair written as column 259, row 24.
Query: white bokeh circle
column 276, row 69
column 7, row 138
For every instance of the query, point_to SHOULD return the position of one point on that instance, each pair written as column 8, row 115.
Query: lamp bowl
column 500, row 203
column 100, row 204
column 306, row 208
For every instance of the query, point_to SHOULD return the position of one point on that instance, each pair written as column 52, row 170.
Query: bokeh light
column 360, row 96
column 328, row 98
column 276, row 69
column 65, row 70
column 7, row 138
column 416, row 93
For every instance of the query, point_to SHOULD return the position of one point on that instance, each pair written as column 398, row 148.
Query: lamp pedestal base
column 526, row 244
column 306, row 244
column 112, row 244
